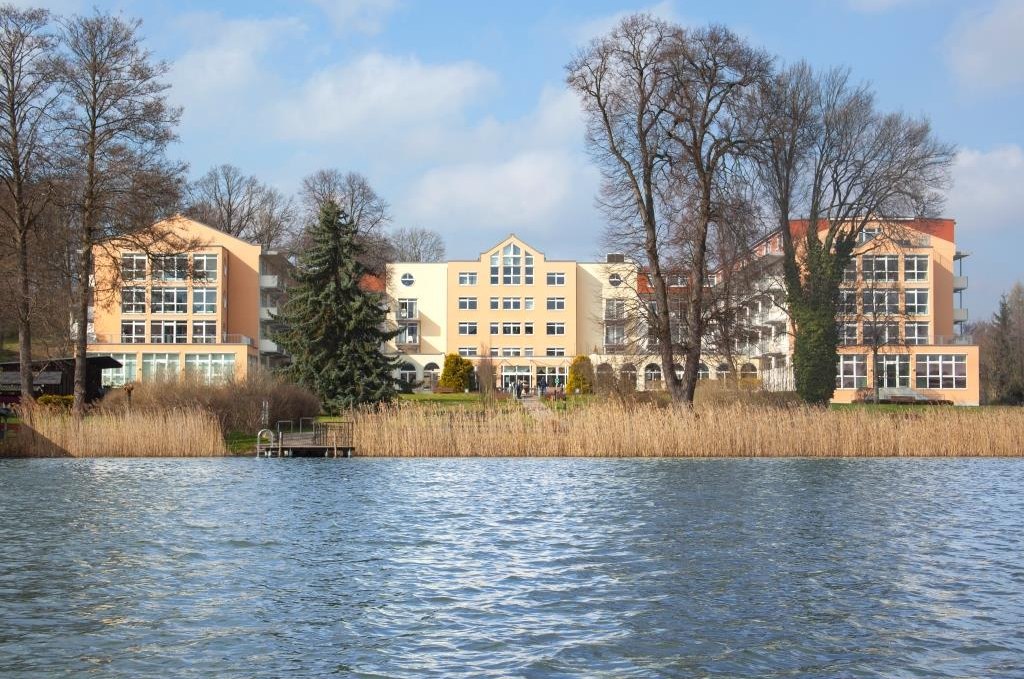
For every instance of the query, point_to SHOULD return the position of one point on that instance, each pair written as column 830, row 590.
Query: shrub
column 457, row 373
column 56, row 401
column 581, row 376
column 237, row 404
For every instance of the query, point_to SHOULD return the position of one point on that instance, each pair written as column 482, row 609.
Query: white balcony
column 269, row 281
column 959, row 283
column 960, row 315
column 267, row 313
column 269, row 346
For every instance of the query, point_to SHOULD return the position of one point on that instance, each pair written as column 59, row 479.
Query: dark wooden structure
column 55, row 376
column 323, row 439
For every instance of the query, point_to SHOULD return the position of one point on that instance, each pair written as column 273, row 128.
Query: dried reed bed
column 614, row 429
column 188, row 432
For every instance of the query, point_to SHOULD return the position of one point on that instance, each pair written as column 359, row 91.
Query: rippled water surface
column 532, row 568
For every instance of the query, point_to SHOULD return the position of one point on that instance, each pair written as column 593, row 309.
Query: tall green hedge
column 581, row 376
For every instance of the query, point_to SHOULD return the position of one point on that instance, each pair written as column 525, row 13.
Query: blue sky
column 457, row 113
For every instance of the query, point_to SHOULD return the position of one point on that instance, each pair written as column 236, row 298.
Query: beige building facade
column 206, row 312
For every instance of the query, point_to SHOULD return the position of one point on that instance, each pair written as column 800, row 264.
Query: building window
column 615, row 309
column 467, row 351
column 881, row 267
column 159, row 366
column 170, row 300
column 850, row 272
column 614, row 335
column 852, row 372
column 528, row 303
column 168, row 332
column 892, row 371
column 170, row 267
column 555, row 351
column 407, row 279
column 494, row 352
column 941, row 371
column 118, row 377
column 915, row 268
column 204, row 300
column 876, row 334
column 495, row 328
column 205, row 267
column 516, row 266
column 467, row 278
column 880, row 302
column 847, row 334
column 210, row 367
column 867, row 233
column 133, row 267
column 652, row 374
column 916, row 332
column 511, row 329
column 133, row 301
column 528, row 328
column 556, row 328
column 466, row 328
column 917, row 301
column 511, row 303
column 133, row 332
column 407, row 372
column 556, row 278
column 495, row 303
column 615, row 280
column 406, row 309
column 528, row 352
column 467, row 303
column 408, row 334
column 204, row 332
column 509, row 352
column 848, row 302
column 556, row 304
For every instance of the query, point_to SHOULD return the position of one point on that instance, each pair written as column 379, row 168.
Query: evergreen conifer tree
column 333, row 328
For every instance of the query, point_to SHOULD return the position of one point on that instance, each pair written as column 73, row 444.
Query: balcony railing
column 407, row 314
column 960, row 315
column 954, row 340
column 268, row 346
column 269, row 281
column 959, row 283
column 267, row 313
column 614, row 347
column 224, row 339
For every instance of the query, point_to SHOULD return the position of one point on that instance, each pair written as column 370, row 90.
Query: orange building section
column 186, row 299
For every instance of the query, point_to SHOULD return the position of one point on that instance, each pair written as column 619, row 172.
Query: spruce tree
column 331, row 326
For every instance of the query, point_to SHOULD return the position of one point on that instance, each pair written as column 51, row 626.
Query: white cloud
column 361, row 16
column 380, row 94
column 987, row 192
column 986, row 50
column 601, row 25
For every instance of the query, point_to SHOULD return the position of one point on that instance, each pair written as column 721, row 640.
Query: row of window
column 468, row 278
column 511, row 351
column 914, row 332
column 511, row 328
column 931, row 371
column 168, row 267
column 169, row 332
column 169, row 300
column 511, row 303
column 886, row 268
column 210, row 367
column 884, row 301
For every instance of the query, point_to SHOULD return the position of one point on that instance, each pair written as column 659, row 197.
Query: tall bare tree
column 830, row 154
column 415, row 244
column 623, row 80
column 29, row 94
column 353, row 194
column 119, row 126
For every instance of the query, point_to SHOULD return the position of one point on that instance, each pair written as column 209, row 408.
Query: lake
column 512, row 567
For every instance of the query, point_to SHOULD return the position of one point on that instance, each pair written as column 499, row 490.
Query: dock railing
column 333, row 434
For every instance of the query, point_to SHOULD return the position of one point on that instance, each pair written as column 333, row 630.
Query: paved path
column 538, row 410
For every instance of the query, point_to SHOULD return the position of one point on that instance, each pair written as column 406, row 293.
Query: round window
column 615, row 279
column 407, row 279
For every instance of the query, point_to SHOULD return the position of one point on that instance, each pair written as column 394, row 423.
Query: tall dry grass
column 237, row 404
column 51, row 432
column 620, row 429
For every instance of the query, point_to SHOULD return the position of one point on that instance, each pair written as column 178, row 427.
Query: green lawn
column 443, row 399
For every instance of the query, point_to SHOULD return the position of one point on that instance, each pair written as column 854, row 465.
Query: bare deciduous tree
column 119, row 126
column 353, row 194
column 241, row 205
column 829, row 153
column 28, row 99
column 414, row 244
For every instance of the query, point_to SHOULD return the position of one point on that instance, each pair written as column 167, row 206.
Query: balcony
column 959, row 283
column 408, row 314
column 614, row 347
column 960, row 315
column 268, row 346
column 954, row 340
column 269, row 281
column 267, row 313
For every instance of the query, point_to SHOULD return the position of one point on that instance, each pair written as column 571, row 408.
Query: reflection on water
column 412, row 568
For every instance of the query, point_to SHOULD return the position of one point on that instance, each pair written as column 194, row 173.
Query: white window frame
column 158, row 330
column 890, row 306
column 467, row 278
column 852, row 372
column 902, row 363
column 847, row 334
column 467, row 303
column 133, row 266
column 467, row 352
column 210, row 367
column 133, row 337
column 133, row 300
column 118, row 377
column 204, row 337
column 940, row 371
column 511, row 303
column 880, row 268
column 912, row 331
column 161, row 366
column 467, row 328
column 555, row 304
column 919, row 306
column 553, row 328
column 159, row 300
column 170, row 267
column 554, row 351
column 201, row 266
column 555, row 278
column 915, row 268
column 204, row 300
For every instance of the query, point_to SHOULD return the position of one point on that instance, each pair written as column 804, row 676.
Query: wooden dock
column 323, row 439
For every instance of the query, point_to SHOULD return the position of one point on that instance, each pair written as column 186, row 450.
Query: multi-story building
column 206, row 312
column 900, row 326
